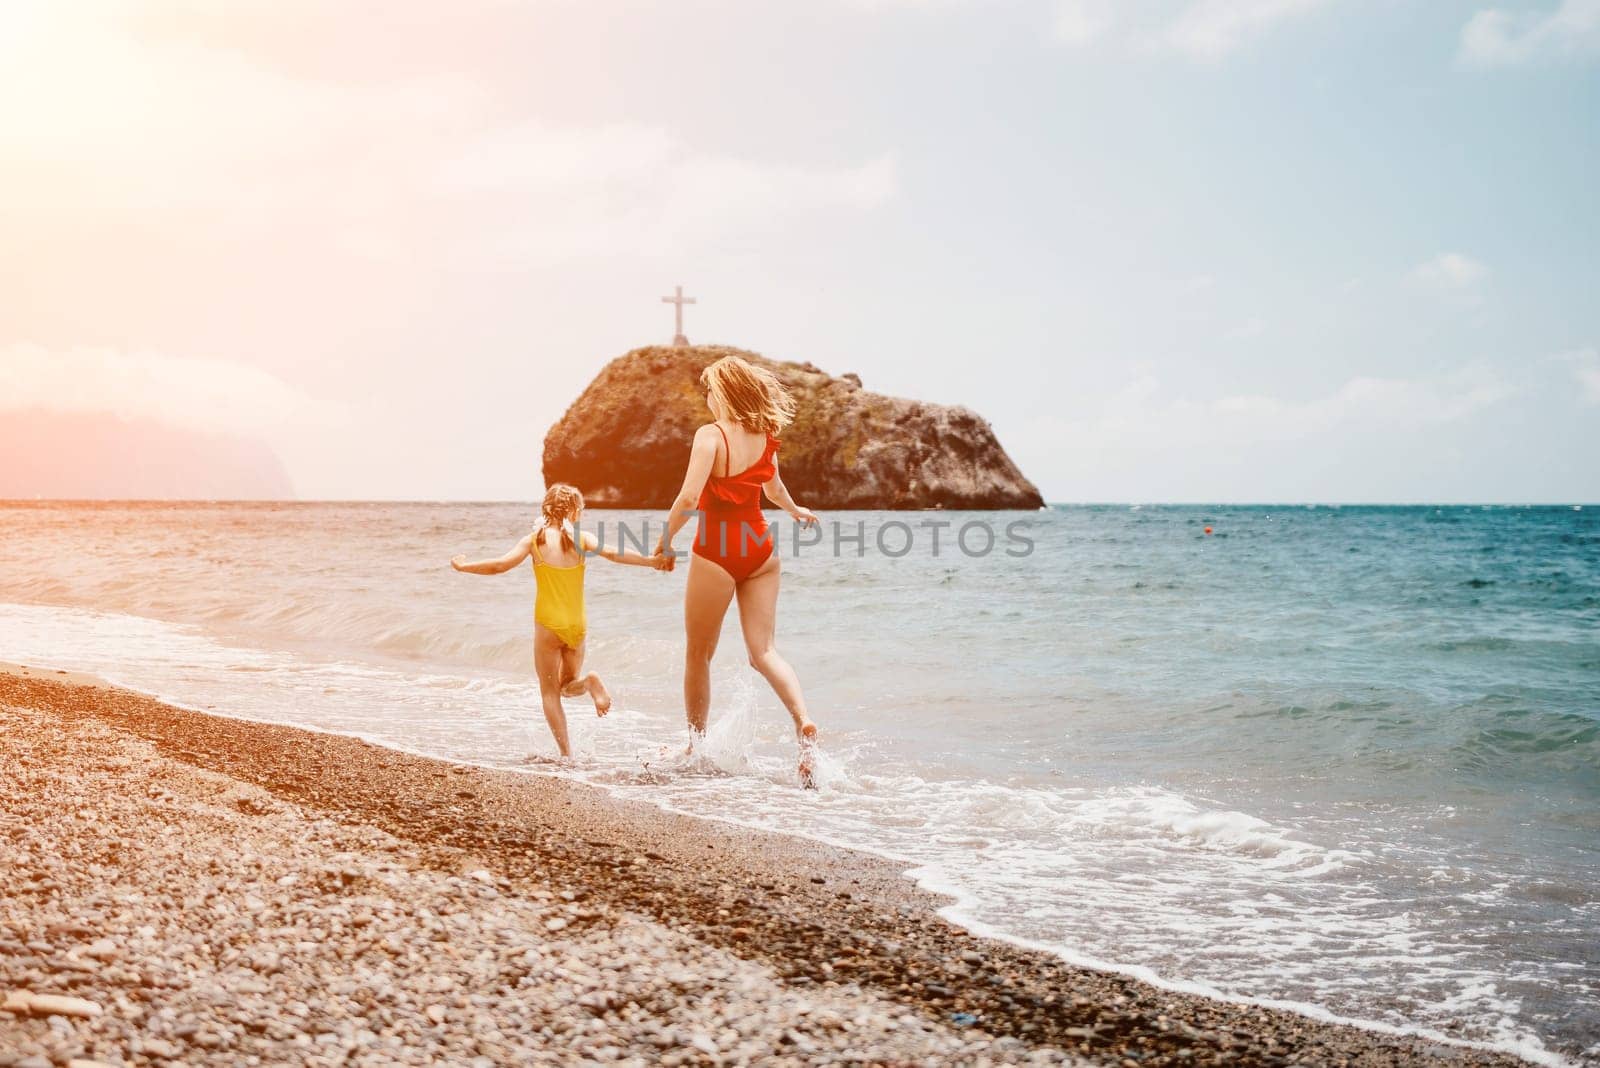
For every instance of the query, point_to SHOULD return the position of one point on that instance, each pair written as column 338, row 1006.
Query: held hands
column 663, row 559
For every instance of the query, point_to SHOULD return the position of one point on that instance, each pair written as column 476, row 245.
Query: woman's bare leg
column 547, row 661
column 758, row 617
column 705, row 603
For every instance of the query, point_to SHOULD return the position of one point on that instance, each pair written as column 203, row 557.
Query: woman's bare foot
column 807, row 732
column 602, row 696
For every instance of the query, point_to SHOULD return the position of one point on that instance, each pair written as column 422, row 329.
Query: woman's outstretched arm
column 778, row 494
column 701, row 457
column 618, row 555
column 518, row 553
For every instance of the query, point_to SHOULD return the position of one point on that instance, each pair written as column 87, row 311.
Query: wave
column 448, row 644
column 1163, row 815
column 1139, row 874
column 1527, row 746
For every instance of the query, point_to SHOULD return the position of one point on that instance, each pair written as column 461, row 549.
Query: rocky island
column 625, row 440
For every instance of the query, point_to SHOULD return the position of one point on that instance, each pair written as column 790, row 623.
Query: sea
column 1344, row 759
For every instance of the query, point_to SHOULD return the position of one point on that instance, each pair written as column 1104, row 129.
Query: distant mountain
column 625, row 440
column 100, row 456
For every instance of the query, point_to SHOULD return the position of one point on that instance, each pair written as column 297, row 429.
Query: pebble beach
column 183, row 888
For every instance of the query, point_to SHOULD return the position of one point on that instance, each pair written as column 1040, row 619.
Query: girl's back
column 558, row 572
column 552, row 548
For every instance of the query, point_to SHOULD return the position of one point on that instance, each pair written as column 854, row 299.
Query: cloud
column 1585, row 364
column 1496, row 37
column 1250, row 328
column 174, row 131
column 1210, row 29
column 637, row 189
column 1200, row 30
column 1078, row 22
column 1589, row 382
column 193, row 394
column 1450, row 270
column 1365, row 401
column 170, row 129
column 1141, row 419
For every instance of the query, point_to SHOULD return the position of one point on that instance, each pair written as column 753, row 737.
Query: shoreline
column 818, row 919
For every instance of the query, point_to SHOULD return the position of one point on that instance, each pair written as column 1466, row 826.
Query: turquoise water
column 1346, row 758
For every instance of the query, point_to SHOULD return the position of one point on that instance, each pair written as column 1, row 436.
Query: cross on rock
column 680, row 300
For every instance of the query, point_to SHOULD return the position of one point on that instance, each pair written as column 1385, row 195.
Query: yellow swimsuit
column 559, row 605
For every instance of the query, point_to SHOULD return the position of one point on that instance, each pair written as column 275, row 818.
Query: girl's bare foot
column 808, row 754
column 602, row 696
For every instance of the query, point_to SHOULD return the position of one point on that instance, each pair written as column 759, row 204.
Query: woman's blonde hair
column 752, row 396
column 561, row 504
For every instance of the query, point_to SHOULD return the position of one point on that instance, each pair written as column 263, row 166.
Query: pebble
column 285, row 935
column 23, row 1001
column 157, row 1047
column 102, row 949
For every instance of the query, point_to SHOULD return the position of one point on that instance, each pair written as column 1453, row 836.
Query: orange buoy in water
column 1208, row 530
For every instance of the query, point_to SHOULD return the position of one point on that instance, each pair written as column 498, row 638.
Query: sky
column 1173, row 250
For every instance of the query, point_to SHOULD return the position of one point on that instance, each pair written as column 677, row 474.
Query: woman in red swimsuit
column 733, row 461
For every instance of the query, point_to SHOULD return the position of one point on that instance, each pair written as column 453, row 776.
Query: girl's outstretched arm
column 778, row 494
column 618, row 555
column 518, row 553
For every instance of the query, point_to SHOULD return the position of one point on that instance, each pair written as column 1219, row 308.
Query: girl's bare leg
column 572, row 679
column 577, row 683
column 547, row 661
column 758, row 617
column 597, row 693
column 705, row 603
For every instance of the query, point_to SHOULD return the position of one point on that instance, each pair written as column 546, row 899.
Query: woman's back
column 743, row 465
column 742, row 449
column 733, row 547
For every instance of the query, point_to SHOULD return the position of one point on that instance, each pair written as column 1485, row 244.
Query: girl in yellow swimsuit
column 557, row 549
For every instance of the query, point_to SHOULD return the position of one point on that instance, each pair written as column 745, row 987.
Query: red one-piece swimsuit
column 733, row 533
